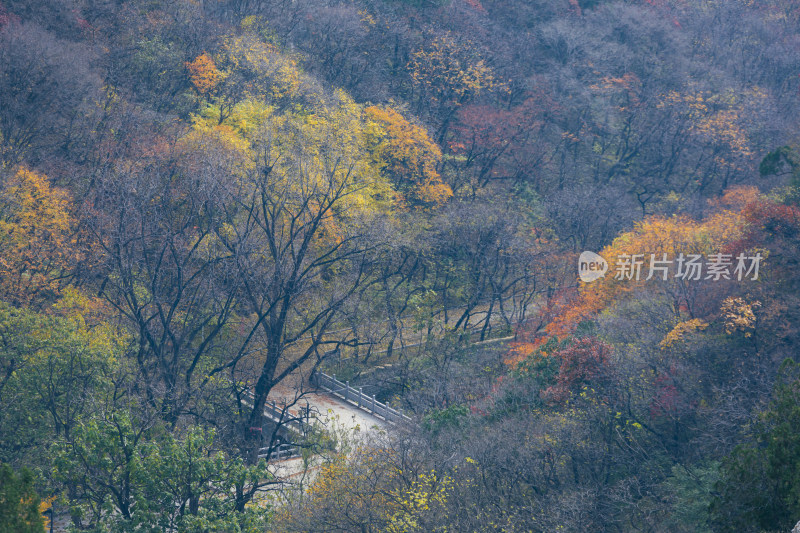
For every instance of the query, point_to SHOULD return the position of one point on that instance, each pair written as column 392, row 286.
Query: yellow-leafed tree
column 37, row 243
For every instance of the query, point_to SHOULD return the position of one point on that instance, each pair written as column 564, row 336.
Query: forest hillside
column 550, row 247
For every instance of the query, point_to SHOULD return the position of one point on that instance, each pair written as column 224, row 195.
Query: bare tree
column 301, row 247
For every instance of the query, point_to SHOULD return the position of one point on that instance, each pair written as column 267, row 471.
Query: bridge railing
column 280, row 452
column 281, row 415
column 358, row 398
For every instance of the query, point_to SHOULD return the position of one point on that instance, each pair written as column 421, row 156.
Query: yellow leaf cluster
column 426, row 495
column 718, row 117
column 37, row 241
column 45, row 506
column 739, row 315
column 678, row 333
column 265, row 70
column 449, row 71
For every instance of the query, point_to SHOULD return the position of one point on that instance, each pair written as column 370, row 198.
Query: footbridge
column 330, row 401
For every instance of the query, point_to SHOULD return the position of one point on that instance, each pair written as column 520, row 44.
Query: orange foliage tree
column 407, row 155
column 655, row 238
column 204, row 73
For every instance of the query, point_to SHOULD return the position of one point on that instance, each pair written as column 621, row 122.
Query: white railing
column 358, row 398
column 282, row 451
